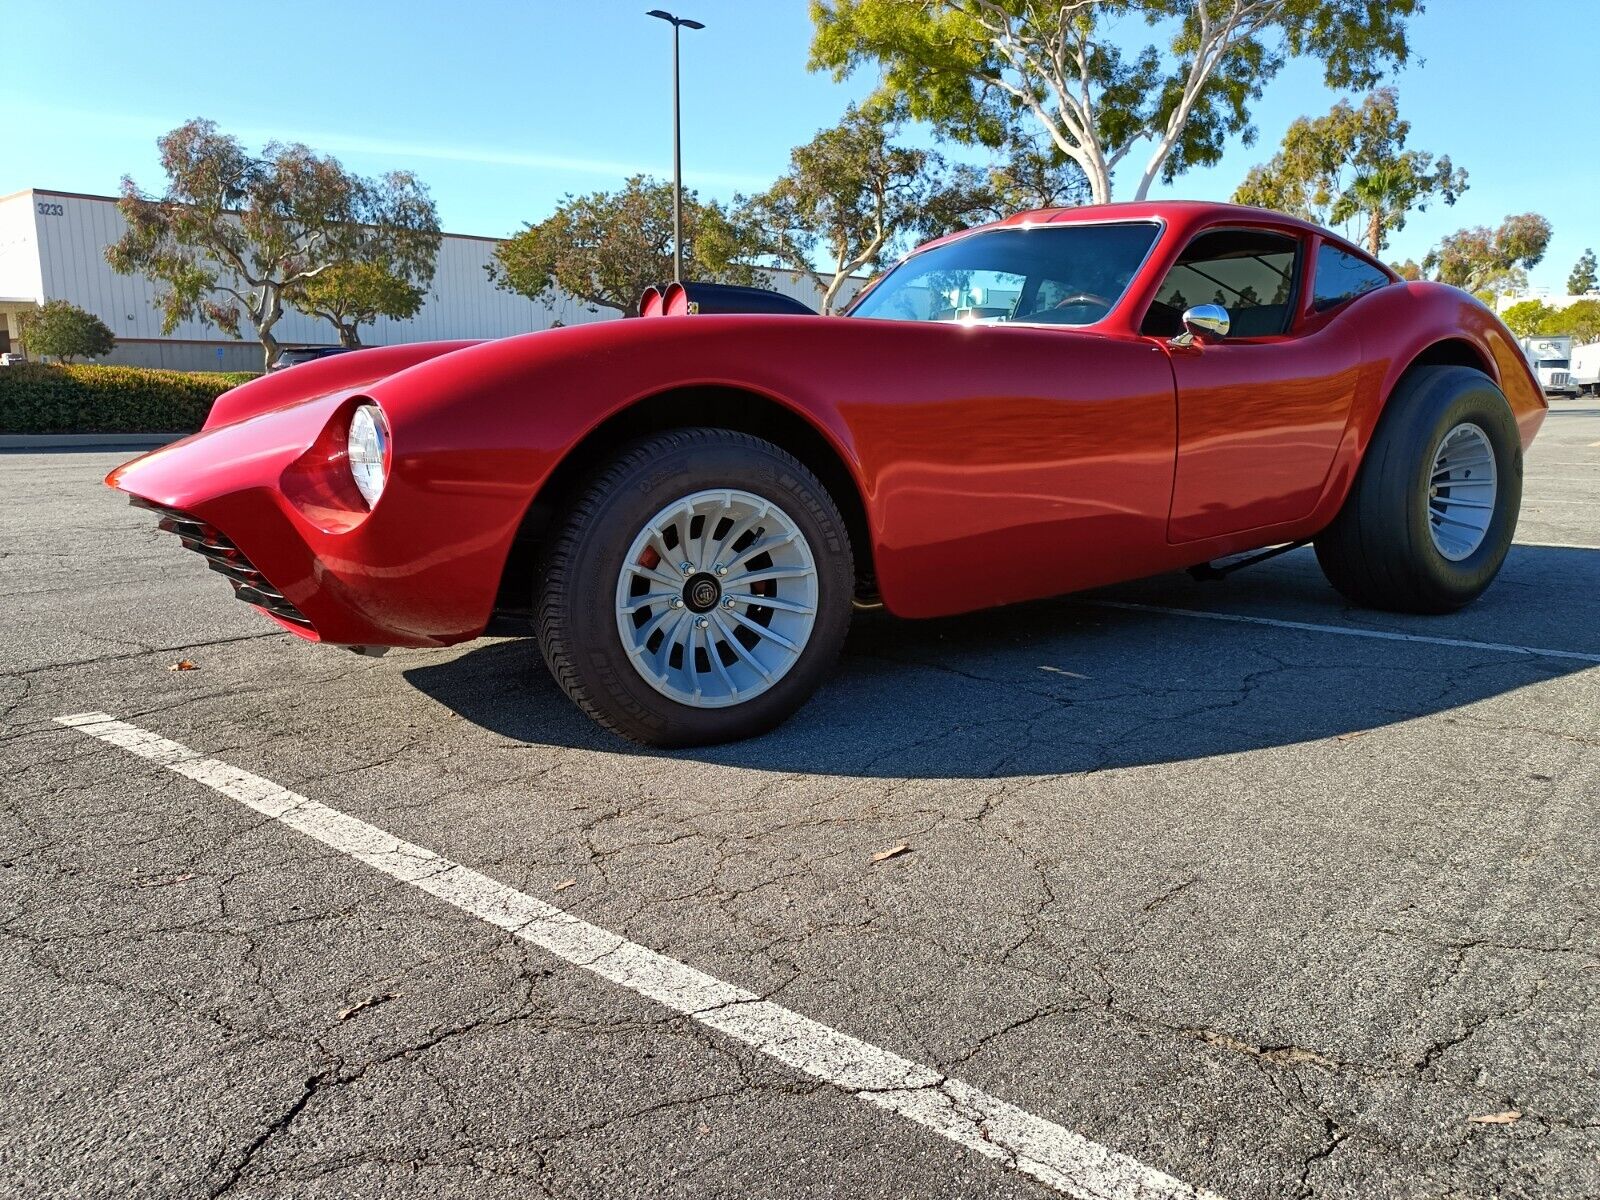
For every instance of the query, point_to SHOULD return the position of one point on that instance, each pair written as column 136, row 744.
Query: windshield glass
column 1048, row 275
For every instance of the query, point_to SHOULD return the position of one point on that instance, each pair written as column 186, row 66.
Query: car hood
column 322, row 377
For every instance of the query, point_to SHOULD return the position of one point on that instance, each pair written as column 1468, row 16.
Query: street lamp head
column 681, row 22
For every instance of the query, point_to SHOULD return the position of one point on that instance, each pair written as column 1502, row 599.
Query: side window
column 1342, row 277
column 1250, row 272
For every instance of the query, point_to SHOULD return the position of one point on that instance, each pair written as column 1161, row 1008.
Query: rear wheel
column 1430, row 517
column 699, row 590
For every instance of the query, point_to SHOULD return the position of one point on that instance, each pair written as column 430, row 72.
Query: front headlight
column 369, row 451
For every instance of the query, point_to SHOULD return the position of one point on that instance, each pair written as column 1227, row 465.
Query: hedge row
column 40, row 398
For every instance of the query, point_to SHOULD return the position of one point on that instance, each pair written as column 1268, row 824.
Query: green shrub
column 35, row 398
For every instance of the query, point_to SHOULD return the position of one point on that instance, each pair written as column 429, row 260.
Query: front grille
column 222, row 556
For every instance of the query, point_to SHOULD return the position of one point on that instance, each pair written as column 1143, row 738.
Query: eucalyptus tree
column 975, row 67
column 1483, row 260
column 1351, row 168
column 606, row 248
column 236, row 237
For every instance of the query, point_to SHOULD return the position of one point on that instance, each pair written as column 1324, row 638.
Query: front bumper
column 224, row 557
column 269, row 502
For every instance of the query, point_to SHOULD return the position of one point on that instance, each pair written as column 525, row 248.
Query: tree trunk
column 1100, row 185
column 1096, row 172
column 268, row 309
column 349, row 336
column 831, row 291
column 1375, row 235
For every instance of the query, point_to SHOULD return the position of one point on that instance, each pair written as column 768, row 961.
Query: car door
column 1262, row 410
column 1010, row 449
column 1011, row 462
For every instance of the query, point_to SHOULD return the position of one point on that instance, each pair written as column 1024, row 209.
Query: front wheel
column 699, row 590
column 1430, row 517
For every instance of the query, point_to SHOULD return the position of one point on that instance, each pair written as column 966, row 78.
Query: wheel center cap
column 702, row 592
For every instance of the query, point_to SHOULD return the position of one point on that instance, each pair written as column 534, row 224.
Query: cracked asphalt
column 1275, row 910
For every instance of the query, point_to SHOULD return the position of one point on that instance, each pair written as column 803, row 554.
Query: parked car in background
column 1550, row 357
column 293, row 356
column 685, row 509
column 13, row 358
column 1585, row 370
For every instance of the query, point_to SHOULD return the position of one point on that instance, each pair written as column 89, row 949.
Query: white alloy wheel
column 716, row 598
column 1462, row 489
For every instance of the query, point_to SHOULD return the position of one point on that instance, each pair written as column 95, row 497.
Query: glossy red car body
column 981, row 464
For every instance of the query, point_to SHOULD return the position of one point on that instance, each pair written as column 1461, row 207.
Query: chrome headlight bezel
column 367, row 449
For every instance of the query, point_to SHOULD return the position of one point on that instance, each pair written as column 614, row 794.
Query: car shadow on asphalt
column 1069, row 685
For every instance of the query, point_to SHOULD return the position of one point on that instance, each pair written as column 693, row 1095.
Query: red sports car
column 685, row 508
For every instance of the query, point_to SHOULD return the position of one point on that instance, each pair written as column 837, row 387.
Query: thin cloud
column 340, row 143
column 346, row 143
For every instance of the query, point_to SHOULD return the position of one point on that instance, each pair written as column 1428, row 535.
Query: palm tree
column 1382, row 195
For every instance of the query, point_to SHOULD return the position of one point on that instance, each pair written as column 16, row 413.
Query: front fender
column 418, row 569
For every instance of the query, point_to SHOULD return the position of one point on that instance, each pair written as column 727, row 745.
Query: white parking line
column 1057, row 1157
column 1345, row 630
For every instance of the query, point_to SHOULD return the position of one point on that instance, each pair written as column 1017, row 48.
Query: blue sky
column 503, row 107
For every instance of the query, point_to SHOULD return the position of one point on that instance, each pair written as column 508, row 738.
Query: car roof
column 1189, row 213
column 1192, row 212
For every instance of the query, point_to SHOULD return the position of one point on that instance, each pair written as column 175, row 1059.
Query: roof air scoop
column 708, row 299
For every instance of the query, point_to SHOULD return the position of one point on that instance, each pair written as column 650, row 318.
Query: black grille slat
column 214, row 551
column 243, row 574
column 182, row 526
column 224, row 557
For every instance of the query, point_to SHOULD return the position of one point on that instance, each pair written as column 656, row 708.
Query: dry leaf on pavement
column 350, row 1010
column 563, row 885
column 1499, row 1118
column 891, row 852
column 183, row 664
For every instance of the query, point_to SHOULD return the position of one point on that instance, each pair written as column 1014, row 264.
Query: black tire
column 577, row 622
column 1379, row 552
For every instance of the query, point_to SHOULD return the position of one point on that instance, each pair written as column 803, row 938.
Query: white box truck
column 1551, row 360
column 1585, row 371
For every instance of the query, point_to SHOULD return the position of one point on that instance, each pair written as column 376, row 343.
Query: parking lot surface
column 1206, row 887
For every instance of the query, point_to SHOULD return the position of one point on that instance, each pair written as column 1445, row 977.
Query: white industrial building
column 52, row 247
column 1546, row 296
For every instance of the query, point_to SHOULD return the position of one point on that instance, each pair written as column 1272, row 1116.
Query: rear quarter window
column 1342, row 277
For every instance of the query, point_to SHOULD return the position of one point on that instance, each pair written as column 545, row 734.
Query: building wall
column 52, row 247
column 20, row 285
column 19, row 249
column 171, row 354
column 1543, row 295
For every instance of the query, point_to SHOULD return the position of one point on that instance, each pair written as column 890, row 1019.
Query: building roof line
column 466, row 237
column 469, row 237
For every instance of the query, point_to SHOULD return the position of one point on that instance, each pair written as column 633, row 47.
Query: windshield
column 1047, row 275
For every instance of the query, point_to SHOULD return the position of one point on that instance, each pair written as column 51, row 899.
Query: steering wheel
column 1085, row 300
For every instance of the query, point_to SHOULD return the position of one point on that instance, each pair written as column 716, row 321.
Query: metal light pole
column 677, row 152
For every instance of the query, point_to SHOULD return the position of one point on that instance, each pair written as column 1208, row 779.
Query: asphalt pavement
column 1218, row 887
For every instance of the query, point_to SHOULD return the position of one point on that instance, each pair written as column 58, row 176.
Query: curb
column 86, row 441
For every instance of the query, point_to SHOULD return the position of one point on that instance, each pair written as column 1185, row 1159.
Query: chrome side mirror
column 1204, row 323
